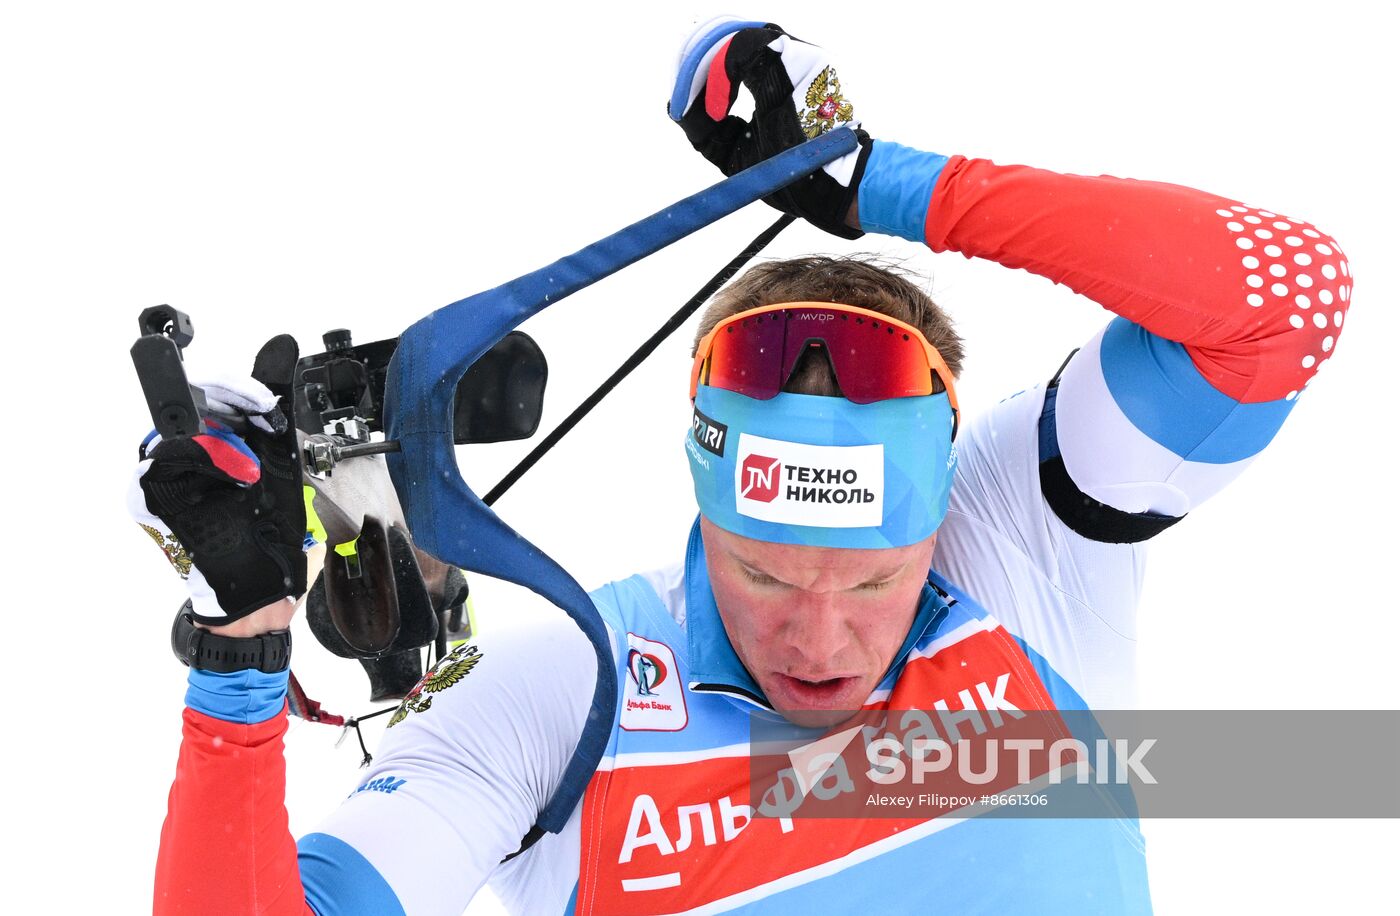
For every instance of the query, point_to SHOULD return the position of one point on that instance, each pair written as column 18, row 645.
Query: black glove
column 797, row 97
column 229, row 511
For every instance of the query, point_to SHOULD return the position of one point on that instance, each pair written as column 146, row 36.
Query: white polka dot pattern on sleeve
column 1299, row 266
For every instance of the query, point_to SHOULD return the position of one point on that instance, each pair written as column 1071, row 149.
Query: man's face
column 815, row 626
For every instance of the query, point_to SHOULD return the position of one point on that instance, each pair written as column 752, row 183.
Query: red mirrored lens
column 873, row 359
column 747, row 356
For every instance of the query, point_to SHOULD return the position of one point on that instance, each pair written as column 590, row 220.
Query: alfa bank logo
column 653, row 697
column 760, row 478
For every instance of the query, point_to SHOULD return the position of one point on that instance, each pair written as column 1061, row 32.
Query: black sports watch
column 205, row 651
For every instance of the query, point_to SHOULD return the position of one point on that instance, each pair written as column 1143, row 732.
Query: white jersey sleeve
column 1071, row 599
column 459, row 779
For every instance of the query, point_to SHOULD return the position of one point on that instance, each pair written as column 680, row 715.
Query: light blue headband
column 822, row 471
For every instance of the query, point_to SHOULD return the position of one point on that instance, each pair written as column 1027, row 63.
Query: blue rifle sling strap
column 451, row 522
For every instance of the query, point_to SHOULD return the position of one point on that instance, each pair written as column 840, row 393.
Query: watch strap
column 198, row 648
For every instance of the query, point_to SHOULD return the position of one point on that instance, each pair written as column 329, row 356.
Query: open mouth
column 824, row 682
column 815, row 692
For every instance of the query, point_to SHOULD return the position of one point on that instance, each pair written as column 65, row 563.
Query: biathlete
column 860, row 545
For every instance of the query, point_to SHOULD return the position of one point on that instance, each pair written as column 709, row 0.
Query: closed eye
column 758, row 578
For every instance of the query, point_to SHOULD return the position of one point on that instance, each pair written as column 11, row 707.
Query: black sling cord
column 675, row 321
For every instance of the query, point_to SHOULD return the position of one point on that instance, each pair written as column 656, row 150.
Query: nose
column 817, row 632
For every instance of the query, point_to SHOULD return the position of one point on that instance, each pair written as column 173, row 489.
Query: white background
column 273, row 167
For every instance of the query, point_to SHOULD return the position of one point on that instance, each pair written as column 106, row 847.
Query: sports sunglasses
column 875, row 357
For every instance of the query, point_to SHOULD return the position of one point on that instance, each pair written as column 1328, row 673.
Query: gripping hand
column 227, row 507
column 797, row 97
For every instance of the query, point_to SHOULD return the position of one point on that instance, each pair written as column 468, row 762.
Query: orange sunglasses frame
column 935, row 359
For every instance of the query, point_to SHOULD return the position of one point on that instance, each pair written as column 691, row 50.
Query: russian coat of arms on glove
column 454, row 666
column 825, row 106
column 174, row 551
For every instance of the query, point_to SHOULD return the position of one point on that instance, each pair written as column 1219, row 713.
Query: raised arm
column 1227, row 311
column 225, row 846
column 479, row 748
column 473, row 755
column 227, row 511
